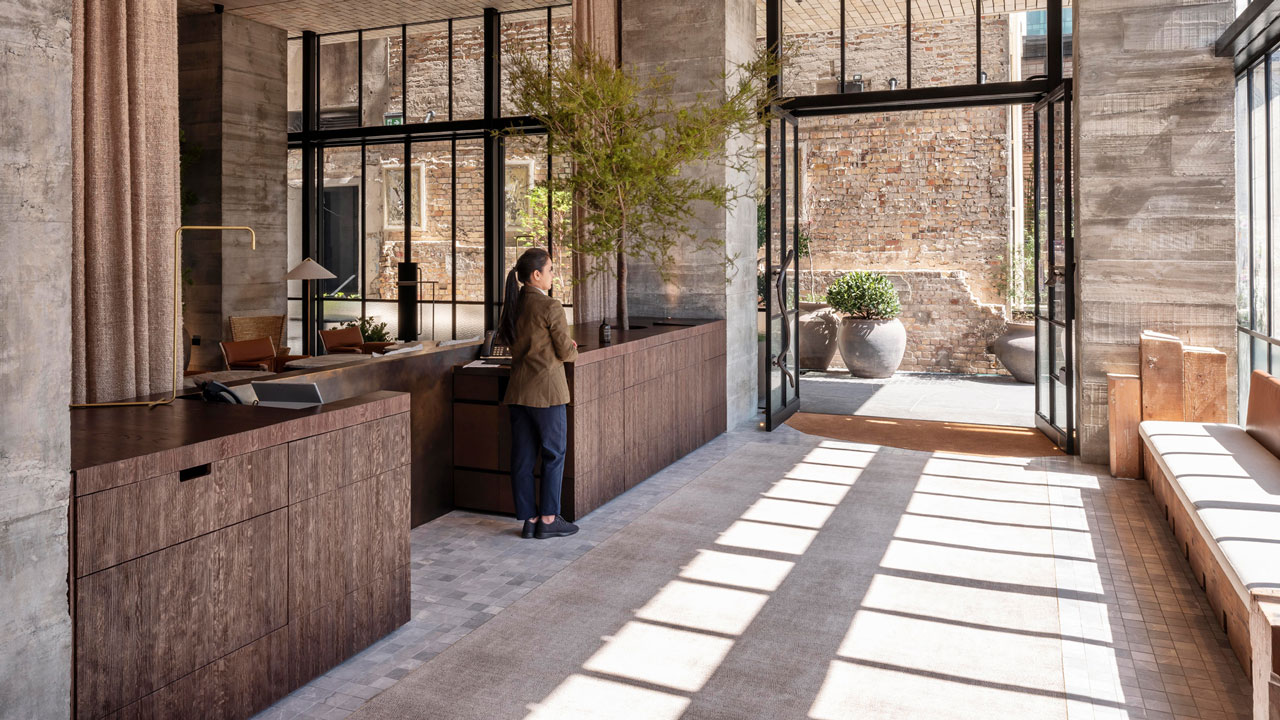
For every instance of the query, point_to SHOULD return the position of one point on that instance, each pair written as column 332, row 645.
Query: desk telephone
column 492, row 349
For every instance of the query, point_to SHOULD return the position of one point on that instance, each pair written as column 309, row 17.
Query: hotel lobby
column 256, row 458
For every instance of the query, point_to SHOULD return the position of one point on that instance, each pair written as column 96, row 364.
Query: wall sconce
column 982, row 79
column 857, row 83
column 431, row 114
column 893, row 83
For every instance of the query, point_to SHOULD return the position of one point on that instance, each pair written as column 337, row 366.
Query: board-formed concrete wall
column 1155, row 185
column 35, row 356
column 697, row 43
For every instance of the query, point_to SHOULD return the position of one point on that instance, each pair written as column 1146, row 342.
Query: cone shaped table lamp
column 308, row 271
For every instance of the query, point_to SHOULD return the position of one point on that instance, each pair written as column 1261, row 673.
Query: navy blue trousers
column 537, row 431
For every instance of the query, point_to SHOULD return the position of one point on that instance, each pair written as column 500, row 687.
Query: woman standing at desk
column 535, row 328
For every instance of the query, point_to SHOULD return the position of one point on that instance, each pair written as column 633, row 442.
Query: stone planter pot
column 1016, row 350
column 872, row 348
column 819, row 330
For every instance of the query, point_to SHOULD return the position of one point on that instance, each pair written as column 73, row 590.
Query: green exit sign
column 393, row 119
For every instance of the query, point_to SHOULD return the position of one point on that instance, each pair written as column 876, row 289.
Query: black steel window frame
column 915, row 98
column 1046, row 417
column 1256, row 333
column 314, row 142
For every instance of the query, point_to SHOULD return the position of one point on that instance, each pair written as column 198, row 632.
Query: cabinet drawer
column 143, row 624
column 323, row 463
column 117, row 525
column 480, row 388
column 231, row 688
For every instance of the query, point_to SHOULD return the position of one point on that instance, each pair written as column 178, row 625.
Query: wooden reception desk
column 637, row 405
column 224, row 555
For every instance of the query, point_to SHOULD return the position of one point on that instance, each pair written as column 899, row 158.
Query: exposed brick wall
column 948, row 330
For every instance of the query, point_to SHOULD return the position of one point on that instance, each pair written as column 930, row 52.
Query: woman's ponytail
column 510, row 309
column 530, row 260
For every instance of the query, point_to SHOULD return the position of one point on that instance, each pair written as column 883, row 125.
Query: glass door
column 1055, row 269
column 781, row 290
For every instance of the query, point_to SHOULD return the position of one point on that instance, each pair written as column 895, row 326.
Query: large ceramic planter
column 872, row 348
column 819, row 333
column 1016, row 351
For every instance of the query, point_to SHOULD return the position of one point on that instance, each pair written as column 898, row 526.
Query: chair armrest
column 251, row 365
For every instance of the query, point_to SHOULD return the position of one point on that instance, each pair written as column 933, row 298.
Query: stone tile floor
column 981, row 399
column 1133, row 636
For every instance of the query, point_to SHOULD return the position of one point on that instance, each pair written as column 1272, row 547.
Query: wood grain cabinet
column 260, row 562
column 638, row 405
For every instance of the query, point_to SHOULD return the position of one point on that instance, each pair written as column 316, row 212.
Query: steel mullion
column 1068, row 256
column 768, row 257
column 1035, row 234
column 795, row 246
column 843, row 46
column 1248, row 109
column 909, row 43
column 1266, row 79
column 453, row 231
column 978, row 35
column 450, row 49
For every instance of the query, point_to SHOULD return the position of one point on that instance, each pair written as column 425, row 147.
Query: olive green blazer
column 541, row 349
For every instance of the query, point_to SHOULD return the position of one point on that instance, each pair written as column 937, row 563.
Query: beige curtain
column 595, row 23
column 125, row 193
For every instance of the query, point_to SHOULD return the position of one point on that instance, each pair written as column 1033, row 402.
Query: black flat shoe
column 557, row 528
column 527, row 532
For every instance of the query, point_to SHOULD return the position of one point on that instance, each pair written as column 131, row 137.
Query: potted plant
column 872, row 340
column 1016, row 348
column 819, row 330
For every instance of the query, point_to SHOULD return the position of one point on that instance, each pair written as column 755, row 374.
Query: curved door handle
column 781, row 359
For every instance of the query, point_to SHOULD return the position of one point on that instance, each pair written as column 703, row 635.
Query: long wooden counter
column 223, row 555
column 637, row 405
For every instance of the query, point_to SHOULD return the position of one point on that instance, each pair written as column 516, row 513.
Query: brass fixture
column 177, row 314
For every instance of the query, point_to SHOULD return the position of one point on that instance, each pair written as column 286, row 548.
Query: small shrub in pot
column 872, row 340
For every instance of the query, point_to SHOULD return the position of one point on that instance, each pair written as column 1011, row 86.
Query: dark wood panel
column 318, row 464
column 126, row 522
column 234, row 687
column 379, row 446
column 145, row 623
column 476, row 387
column 482, row 437
column 483, row 491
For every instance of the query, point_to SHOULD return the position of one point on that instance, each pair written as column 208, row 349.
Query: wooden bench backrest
column 1263, row 417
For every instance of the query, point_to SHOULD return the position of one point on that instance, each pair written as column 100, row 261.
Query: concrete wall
column 1155, row 169
column 35, row 357
column 232, row 92
column 697, row 43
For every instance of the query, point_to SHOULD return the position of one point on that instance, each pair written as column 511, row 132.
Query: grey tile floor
column 467, row 567
column 981, row 399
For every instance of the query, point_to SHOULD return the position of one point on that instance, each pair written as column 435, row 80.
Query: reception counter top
column 637, row 405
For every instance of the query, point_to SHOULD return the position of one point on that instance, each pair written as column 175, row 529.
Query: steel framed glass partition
column 400, row 180
column 782, row 290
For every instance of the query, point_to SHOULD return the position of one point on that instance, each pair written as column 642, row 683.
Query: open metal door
column 1055, row 289
column 782, row 291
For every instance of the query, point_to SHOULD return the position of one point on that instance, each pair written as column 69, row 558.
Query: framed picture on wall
column 519, row 179
column 393, row 200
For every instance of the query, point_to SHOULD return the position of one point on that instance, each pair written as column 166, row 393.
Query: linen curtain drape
column 125, row 197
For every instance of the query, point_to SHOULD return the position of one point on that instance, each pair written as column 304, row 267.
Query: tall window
column 1257, row 219
column 399, row 139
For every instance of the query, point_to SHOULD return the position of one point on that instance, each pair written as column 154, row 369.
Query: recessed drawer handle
column 197, row 471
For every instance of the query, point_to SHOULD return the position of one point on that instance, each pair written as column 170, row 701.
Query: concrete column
column 697, row 43
column 1155, row 186
column 232, row 92
column 35, row 356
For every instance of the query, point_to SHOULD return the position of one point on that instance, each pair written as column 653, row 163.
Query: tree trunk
column 624, row 314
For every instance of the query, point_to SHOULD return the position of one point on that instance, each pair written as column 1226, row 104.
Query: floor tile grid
column 467, row 567
column 1171, row 659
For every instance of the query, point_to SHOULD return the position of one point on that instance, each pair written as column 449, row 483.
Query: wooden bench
column 1219, row 485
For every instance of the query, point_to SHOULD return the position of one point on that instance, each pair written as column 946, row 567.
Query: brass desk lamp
column 177, row 314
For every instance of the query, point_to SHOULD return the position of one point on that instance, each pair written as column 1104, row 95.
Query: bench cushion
column 1233, row 484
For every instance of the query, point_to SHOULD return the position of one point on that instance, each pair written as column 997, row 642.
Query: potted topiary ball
column 872, row 340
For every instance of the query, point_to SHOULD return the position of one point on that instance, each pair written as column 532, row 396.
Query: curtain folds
column 125, row 197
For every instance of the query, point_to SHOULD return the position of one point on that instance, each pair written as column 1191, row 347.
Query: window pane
column 1067, row 39
column 432, row 239
column 339, row 81
column 338, row 234
column 875, row 46
column 468, row 69
column 997, row 29
column 293, row 189
column 1258, row 174
column 1242, row 202
column 385, row 312
column 470, row 225
column 944, row 44
column 1244, row 366
column 523, row 33
column 1273, row 186
column 525, row 197
column 295, row 84
column 385, row 208
column 428, row 68
column 381, row 69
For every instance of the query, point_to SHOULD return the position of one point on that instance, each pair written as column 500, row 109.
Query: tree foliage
column 634, row 150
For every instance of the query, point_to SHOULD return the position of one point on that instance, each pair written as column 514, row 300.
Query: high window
column 397, row 159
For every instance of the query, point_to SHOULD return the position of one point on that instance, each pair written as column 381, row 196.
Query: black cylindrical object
column 407, row 301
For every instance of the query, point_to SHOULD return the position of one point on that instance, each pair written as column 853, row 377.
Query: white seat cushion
column 1233, row 484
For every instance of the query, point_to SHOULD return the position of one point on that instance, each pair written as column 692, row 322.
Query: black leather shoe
column 527, row 532
column 557, row 528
